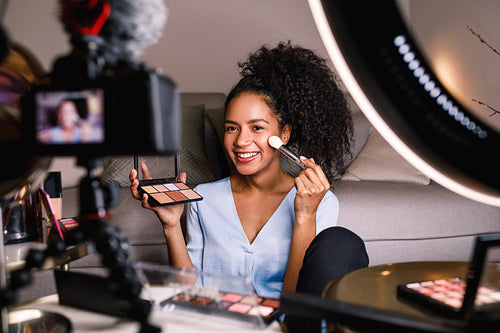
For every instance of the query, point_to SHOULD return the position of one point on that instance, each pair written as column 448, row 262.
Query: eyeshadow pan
column 160, row 188
column 182, row 186
column 232, row 298
column 190, row 194
column 274, row 303
column 239, row 307
column 202, row 300
column 261, row 310
column 164, row 192
column 171, row 187
column 149, row 189
column 249, row 300
column 221, row 305
column 176, row 195
column 162, row 198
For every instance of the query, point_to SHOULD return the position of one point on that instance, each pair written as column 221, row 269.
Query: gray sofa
column 399, row 213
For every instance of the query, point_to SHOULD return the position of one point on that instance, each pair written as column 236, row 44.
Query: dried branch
column 498, row 54
column 483, row 41
column 488, row 106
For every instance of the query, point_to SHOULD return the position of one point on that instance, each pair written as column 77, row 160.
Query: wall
column 202, row 42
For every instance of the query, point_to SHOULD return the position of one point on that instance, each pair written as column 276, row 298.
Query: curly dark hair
column 302, row 91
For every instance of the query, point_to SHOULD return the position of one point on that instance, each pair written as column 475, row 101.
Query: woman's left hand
column 312, row 185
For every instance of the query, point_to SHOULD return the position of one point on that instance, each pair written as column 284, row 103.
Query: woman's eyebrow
column 258, row 121
column 250, row 122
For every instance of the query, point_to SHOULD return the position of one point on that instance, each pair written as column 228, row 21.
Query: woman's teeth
column 246, row 155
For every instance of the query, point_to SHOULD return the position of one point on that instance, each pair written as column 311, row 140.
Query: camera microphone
column 126, row 27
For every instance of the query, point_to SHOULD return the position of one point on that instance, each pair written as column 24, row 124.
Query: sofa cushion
column 214, row 118
column 117, row 168
column 193, row 153
column 406, row 222
column 378, row 161
column 361, row 132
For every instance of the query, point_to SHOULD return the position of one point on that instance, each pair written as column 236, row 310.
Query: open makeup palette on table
column 462, row 297
column 226, row 298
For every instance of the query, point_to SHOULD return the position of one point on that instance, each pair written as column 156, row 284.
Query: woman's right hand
column 170, row 216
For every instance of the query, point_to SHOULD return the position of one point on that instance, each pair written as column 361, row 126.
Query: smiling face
column 249, row 124
column 68, row 115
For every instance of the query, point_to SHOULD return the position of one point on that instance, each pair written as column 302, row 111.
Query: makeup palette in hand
column 165, row 191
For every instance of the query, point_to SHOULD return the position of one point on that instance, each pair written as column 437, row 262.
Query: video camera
column 97, row 105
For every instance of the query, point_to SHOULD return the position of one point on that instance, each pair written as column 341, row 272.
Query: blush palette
column 449, row 293
column 250, row 308
column 165, row 191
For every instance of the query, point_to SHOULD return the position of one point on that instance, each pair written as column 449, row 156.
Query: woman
column 70, row 127
column 261, row 221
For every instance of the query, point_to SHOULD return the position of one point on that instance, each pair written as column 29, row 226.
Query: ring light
column 390, row 80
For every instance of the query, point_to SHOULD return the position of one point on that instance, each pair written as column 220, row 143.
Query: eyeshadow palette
column 241, row 307
column 165, row 191
column 447, row 294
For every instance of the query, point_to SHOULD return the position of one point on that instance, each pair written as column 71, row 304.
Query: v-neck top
column 218, row 244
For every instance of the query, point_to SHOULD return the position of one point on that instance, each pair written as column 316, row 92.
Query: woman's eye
column 257, row 128
column 230, row 128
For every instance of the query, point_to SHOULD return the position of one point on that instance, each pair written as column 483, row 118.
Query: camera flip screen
column 70, row 117
column 127, row 111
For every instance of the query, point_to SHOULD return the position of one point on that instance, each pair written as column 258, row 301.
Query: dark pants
column 333, row 252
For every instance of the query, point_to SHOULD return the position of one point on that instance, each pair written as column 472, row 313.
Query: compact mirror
column 37, row 321
column 433, row 113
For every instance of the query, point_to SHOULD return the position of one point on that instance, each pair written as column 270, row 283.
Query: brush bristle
column 275, row 142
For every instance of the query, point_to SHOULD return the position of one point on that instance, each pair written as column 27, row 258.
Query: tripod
column 122, row 283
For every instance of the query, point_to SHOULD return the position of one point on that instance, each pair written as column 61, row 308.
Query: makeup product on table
column 53, row 222
column 276, row 143
column 232, row 305
column 446, row 295
column 475, row 294
column 53, row 186
column 167, row 191
column 225, row 298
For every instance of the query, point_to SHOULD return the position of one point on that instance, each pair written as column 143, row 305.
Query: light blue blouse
column 218, row 244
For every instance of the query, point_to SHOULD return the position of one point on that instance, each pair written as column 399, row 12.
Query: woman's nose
column 243, row 138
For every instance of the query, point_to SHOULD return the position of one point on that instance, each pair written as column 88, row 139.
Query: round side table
column 376, row 286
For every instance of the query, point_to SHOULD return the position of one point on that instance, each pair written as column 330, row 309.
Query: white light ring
column 486, row 196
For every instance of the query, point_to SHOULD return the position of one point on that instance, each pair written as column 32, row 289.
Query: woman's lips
column 246, row 157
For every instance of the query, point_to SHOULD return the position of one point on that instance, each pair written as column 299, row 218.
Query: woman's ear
column 285, row 133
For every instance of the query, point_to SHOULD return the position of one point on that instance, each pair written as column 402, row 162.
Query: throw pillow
column 192, row 155
column 378, row 161
column 361, row 128
column 215, row 117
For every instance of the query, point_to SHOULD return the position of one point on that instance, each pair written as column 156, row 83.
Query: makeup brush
column 276, row 143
